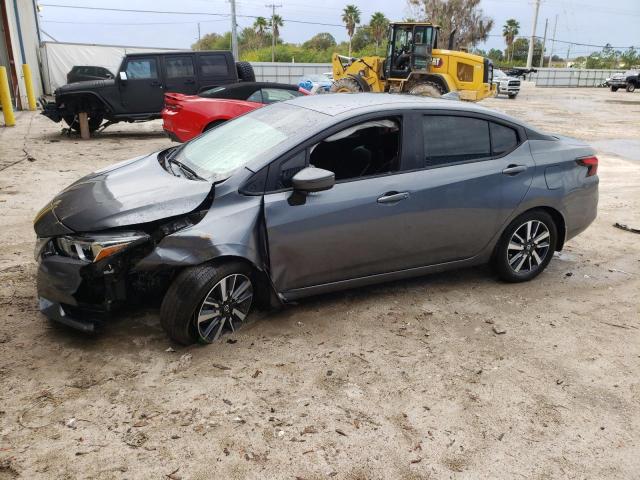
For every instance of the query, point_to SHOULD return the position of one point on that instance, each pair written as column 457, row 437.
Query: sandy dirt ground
column 399, row 381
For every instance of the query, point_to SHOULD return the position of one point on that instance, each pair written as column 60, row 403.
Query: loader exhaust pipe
column 452, row 39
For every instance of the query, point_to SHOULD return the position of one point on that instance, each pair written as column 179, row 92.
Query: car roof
column 347, row 105
column 339, row 104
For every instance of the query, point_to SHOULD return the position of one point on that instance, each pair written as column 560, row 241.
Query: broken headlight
column 93, row 248
column 43, row 248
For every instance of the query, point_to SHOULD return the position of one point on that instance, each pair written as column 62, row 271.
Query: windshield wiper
column 191, row 173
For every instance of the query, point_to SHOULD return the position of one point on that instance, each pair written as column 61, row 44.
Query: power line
column 167, row 12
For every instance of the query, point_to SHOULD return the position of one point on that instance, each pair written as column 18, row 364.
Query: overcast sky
column 591, row 21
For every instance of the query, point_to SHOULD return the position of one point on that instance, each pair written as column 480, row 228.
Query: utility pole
column 544, row 41
column 273, row 7
column 568, row 53
column 553, row 43
column 234, row 31
column 533, row 35
column 199, row 37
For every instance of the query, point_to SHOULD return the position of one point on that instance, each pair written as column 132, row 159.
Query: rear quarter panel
column 560, row 183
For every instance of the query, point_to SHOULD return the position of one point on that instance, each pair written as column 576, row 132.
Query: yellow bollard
column 28, row 82
column 5, row 99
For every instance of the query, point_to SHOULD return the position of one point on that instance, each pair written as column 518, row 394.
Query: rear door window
column 503, row 139
column 179, row 67
column 213, row 65
column 453, row 139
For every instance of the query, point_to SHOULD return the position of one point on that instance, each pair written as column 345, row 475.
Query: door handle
column 514, row 169
column 393, row 197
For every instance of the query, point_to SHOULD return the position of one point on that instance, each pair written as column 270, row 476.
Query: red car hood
column 173, row 99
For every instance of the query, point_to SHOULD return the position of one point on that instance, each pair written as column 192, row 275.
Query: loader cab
column 409, row 48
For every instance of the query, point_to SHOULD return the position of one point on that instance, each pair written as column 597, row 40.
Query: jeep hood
column 85, row 85
column 131, row 193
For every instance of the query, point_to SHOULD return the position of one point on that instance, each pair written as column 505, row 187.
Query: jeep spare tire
column 245, row 72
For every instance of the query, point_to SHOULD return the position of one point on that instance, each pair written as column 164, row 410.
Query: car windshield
column 216, row 154
column 499, row 74
column 315, row 78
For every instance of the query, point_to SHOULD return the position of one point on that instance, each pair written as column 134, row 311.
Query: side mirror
column 313, row 179
column 123, row 77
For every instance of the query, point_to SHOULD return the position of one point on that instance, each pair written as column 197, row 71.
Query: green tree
column 495, row 55
column 465, row 18
column 510, row 30
column 630, row 58
column 320, row 41
column 378, row 25
column 362, row 38
column 351, row 18
column 520, row 50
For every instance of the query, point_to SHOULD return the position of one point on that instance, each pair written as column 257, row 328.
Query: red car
column 187, row 116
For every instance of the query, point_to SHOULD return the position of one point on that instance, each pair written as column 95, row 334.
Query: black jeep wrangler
column 137, row 92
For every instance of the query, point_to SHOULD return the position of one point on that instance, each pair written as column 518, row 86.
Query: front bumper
column 68, row 294
column 51, row 110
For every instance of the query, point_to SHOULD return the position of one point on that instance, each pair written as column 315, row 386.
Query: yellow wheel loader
column 415, row 65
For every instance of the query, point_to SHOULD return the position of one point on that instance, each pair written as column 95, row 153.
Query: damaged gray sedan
column 308, row 196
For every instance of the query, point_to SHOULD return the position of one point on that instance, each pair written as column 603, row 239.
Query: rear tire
column 631, row 87
column 345, row 85
column 526, row 247
column 184, row 303
column 425, row 89
column 245, row 72
column 74, row 124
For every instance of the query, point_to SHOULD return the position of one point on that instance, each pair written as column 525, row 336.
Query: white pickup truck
column 505, row 84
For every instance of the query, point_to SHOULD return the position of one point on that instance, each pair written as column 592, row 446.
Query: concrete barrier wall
column 570, row 77
column 287, row 72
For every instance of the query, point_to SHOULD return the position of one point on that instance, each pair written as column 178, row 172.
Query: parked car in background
column 316, row 83
column 629, row 80
column 86, row 72
column 137, row 93
column 187, row 116
column 505, row 84
column 307, row 196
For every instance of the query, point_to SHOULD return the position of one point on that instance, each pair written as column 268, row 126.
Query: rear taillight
column 591, row 163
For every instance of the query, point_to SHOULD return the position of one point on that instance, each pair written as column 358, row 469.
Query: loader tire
column 345, row 85
column 425, row 89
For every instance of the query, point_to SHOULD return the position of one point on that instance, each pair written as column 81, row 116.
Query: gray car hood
column 136, row 192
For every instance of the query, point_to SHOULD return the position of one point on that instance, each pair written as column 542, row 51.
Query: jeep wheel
column 74, row 124
column 345, row 85
column 245, row 72
column 614, row 89
column 425, row 89
column 631, row 87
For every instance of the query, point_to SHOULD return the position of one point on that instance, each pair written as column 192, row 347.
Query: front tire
column 345, row 85
column 513, row 95
column 206, row 301
column 526, row 247
column 614, row 89
column 631, row 87
column 425, row 89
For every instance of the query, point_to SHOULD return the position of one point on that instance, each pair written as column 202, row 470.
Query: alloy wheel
column 528, row 246
column 224, row 308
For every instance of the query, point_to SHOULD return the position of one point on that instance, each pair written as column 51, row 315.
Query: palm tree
column 510, row 29
column 378, row 25
column 261, row 26
column 276, row 23
column 351, row 18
